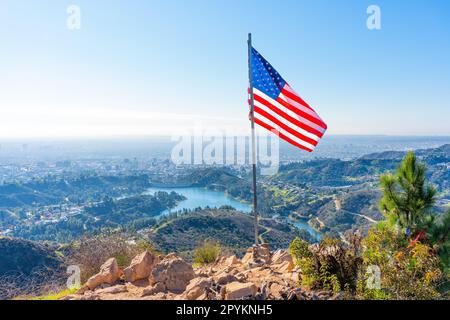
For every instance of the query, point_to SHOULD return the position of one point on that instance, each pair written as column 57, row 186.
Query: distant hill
column 389, row 155
column 132, row 213
column 436, row 159
column 443, row 151
column 333, row 172
column 336, row 173
column 76, row 188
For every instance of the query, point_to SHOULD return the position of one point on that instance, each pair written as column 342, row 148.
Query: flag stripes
column 278, row 108
column 288, row 113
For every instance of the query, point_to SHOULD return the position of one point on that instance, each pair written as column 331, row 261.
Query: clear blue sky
column 135, row 65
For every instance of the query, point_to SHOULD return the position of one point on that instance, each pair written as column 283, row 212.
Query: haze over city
column 157, row 68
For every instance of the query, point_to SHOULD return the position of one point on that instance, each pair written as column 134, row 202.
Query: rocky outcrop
column 109, row 274
column 238, row 291
column 224, row 278
column 113, row 290
column 140, row 267
column 197, row 287
column 259, row 275
column 154, row 289
column 280, row 256
column 173, row 272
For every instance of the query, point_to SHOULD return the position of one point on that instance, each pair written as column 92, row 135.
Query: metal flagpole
column 250, row 77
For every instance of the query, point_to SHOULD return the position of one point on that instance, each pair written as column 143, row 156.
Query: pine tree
column 406, row 195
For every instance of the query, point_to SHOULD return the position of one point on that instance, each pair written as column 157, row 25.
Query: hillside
column 232, row 229
column 350, row 211
column 437, row 161
column 130, row 213
column 333, row 172
column 25, row 264
column 338, row 173
column 426, row 154
column 75, row 188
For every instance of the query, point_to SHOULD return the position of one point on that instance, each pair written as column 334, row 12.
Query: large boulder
column 224, row 278
column 196, row 288
column 282, row 261
column 113, row 290
column 156, row 288
column 173, row 272
column 237, row 291
column 227, row 262
column 109, row 273
column 276, row 291
column 140, row 267
column 284, row 267
column 281, row 256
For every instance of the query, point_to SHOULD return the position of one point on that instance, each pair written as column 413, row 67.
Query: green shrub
column 206, row 253
column 407, row 271
column 299, row 249
column 330, row 265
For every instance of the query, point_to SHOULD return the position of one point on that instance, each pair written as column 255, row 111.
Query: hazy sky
column 146, row 67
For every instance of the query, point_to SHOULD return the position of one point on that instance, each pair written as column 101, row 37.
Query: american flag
column 278, row 108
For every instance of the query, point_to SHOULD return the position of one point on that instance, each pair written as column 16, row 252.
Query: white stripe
column 296, row 104
column 288, row 88
column 293, row 126
column 289, row 112
column 281, row 130
column 299, row 106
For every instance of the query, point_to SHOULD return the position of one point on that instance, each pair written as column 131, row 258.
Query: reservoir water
column 201, row 197
column 305, row 226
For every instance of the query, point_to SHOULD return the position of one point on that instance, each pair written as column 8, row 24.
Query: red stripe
column 284, row 126
column 298, row 99
column 288, row 117
column 282, row 136
column 302, row 113
column 295, row 97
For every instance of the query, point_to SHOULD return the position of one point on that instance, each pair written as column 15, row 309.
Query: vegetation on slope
column 132, row 213
column 404, row 256
column 206, row 253
column 26, row 266
column 231, row 229
column 74, row 188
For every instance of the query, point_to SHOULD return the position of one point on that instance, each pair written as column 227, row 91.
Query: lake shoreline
column 202, row 197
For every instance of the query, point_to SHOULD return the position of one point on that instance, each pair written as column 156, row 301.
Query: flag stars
column 265, row 77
